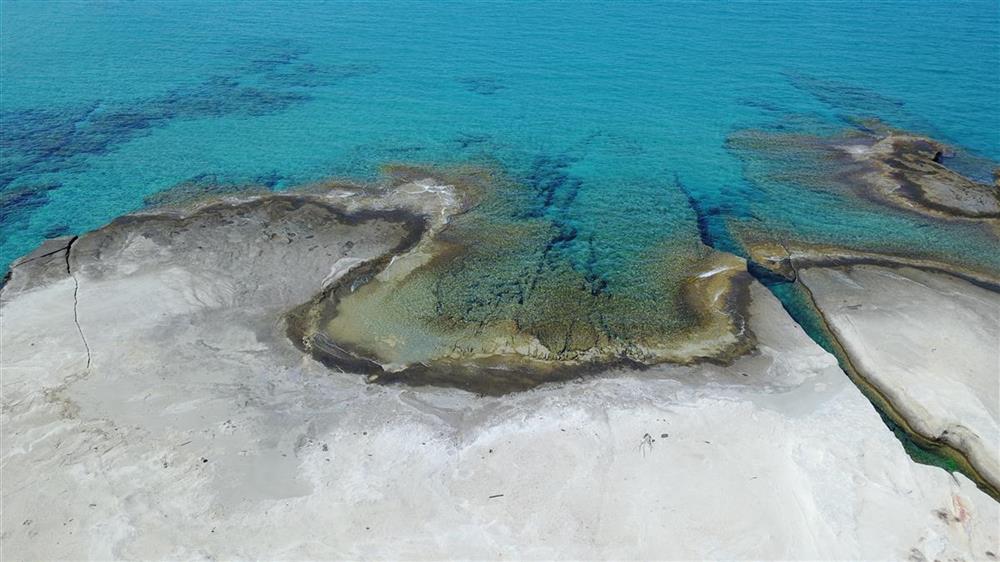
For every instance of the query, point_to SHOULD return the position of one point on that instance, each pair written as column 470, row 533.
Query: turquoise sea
column 617, row 113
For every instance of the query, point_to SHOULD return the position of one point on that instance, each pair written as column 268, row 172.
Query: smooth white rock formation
column 930, row 343
column 198, row 431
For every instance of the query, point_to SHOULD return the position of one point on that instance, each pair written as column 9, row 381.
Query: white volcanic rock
column 929, row 342
column 198, row 431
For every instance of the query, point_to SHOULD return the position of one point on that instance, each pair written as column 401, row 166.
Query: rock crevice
column 76, row 297
column 914, row 308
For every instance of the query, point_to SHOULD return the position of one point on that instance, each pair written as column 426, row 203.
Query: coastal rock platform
column 153, row 407
column 929, row 343
column 921, row 337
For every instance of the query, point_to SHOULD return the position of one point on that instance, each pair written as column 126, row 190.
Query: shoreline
column 198, row 425
column 791, row 258
column 421, row 209
column 718, row 293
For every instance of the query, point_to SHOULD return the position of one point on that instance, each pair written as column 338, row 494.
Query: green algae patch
column 489, row 293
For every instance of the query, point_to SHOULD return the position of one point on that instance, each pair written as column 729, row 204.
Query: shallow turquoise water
column 610, row 107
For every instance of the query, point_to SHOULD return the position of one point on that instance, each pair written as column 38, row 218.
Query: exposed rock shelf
column 929, row 343
column 198, row 430
column 907, row 170
column 902, row 276
column 923, row 336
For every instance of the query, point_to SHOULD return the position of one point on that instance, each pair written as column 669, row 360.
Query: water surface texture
column 617, row 116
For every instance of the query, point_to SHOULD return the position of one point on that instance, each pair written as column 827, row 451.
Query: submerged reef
column 17, row 204
column 486, row 294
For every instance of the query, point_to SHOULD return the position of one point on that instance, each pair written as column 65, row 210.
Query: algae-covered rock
column 490, row 285
column 908, row 170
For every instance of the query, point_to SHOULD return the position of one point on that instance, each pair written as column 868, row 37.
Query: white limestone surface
column 929, row 342
column 197, row 431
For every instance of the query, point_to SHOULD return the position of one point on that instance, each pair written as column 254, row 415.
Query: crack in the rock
column 899, row 424
column 36, row 258
column 76, row 300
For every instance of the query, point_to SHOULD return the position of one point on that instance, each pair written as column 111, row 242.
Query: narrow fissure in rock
column 76, row 298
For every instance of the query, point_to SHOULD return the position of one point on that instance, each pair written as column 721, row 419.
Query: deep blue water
column 621, row 109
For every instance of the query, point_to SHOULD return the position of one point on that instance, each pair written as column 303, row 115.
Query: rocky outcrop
column 919, row 335
column 784, row 259
column 43, row 265
column 908, row 171
column 929, row 343
column 199, row 431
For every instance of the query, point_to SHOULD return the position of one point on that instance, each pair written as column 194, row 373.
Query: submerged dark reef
column 54, row 140
column 851, row 98
column 17, row 204
column 483, row 85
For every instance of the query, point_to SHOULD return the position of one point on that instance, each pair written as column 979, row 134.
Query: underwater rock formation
column 486, row 301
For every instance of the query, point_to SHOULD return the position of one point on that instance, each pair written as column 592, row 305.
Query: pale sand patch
column 929, row 342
